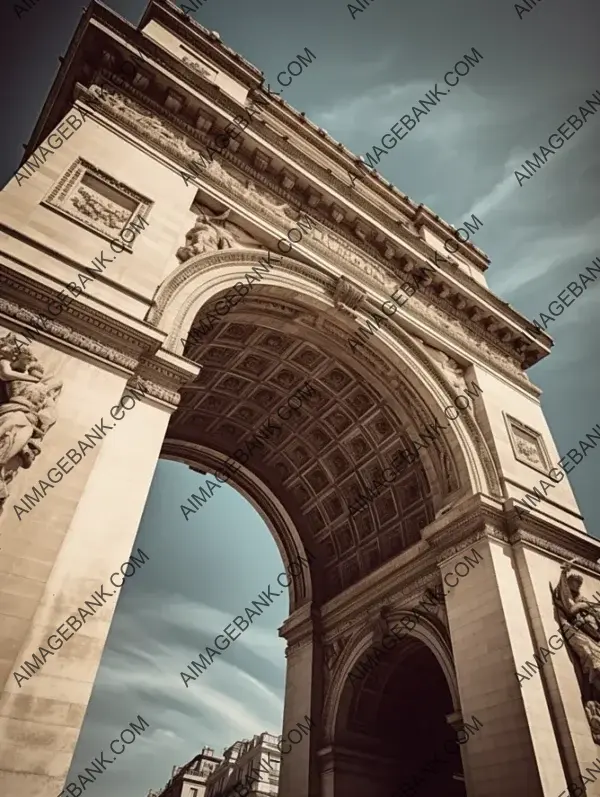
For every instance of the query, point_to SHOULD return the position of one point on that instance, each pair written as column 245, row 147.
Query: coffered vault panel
column 339, row 441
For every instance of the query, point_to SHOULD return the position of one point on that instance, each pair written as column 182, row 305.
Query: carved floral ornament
column 27, row 409
column 579, row 621
column 527, row 444
column 149, row 126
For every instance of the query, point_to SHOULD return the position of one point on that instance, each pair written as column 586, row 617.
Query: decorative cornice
column 54, row 329
column 489, row 532
column 579, row 549
column 23, row 289
column 334, row 153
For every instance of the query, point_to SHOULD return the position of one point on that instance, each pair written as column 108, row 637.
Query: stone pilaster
column 515, row 751
column 303, row 698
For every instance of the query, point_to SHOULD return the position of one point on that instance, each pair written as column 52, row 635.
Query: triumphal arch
column 184, row 254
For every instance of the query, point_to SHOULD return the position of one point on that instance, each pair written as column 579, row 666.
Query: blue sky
column 459, row 160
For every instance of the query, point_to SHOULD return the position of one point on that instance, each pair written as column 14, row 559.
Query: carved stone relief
column 449, row 367
column 333, row 651
column 147, row 124
column 27, row 409
column 527, row 444
column 579, row 620
column 212, row 233
column 198, row 67
column 96, row 199
column 347, row 296
column 264, row 202
column 321, row 238
column 89, row 203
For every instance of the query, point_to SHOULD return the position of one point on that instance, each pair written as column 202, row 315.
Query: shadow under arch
column 388, row 718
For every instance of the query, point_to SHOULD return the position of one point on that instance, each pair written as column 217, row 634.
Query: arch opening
column 392, row 733
column 312, row 428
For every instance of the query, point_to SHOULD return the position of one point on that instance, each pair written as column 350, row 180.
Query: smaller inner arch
column 392, row 737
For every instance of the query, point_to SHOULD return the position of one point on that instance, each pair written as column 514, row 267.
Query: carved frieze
column 319, row 238
column 28, row 399
column 61, row 331
column 198, row 67
column 147, row 124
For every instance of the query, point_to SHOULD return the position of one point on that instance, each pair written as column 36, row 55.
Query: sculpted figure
column 265, row 202
column 579, row 620
column 381, row 624
column 27, row 409
column 222, row 176
column 208, row 234
column 451, row 369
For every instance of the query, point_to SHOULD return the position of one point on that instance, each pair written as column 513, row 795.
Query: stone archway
column 139, row 149
column 282, row 336
column 390, row 715
column 306, row 477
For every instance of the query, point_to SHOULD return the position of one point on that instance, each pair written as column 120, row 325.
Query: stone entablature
column 133, row 350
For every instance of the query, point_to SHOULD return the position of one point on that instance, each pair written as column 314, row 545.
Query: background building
column 190, row 779
column 253, row 763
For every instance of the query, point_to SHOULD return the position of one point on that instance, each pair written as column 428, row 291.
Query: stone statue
column 27, row 409
column 381, row 624
column 265, row 202
column 579, row 620
column 208, row 234
column 451, row 369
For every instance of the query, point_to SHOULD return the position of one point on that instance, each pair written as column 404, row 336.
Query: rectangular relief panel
column 95, row 200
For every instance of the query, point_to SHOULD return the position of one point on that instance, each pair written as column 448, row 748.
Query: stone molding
column 560, row 551
column 156, row 378
column 331, row 150
column 60, row 332
column 401, row 582
column 22, row 289
column 452, row 540
column 355, row 644
column 396, row 601
column 102, row 215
